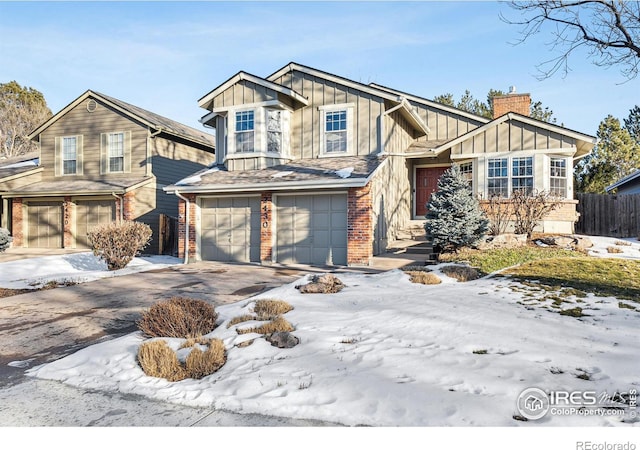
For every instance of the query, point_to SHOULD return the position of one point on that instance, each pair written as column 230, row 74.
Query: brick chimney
column 512, row 102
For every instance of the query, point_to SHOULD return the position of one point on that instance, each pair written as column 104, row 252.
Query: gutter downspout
column 121, row 206
column 186, row 227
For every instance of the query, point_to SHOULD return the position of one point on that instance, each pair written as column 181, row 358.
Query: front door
column 426, row 183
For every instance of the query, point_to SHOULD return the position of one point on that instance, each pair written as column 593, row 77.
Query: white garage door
column 312, row 229
column 230, row 228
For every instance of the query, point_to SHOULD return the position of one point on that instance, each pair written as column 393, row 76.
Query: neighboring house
column 101, row 159
column 314, row 168
column 627, row 185
column 15, row 172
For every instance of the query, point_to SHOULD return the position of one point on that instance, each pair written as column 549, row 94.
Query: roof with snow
column 348, row 171
column 16, row 165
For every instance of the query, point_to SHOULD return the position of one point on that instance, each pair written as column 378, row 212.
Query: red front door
column 426, row 183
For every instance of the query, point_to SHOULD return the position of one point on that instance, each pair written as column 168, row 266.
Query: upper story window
column 245, row 131
column 69, row 155
column 115, row 144
column 522, row 174
column 274, row 130
column 336, row 133
column 558, row 177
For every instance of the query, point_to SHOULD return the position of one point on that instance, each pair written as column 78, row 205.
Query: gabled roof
column 406, row 109
column 205, row 101
column 148, row 118
column 632, row 176
column 586, row 142
column 432, row 104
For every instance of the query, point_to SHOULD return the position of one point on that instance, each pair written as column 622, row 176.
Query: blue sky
column 164, row 56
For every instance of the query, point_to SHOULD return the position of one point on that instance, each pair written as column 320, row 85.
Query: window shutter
column 104, row 159
column 127, row 151
column 58, row 157
column 79, row 151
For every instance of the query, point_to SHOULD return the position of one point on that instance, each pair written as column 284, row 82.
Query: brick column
column 182, row 226
column 16, row 223
column 266, row 230
column 68, row 219
column 129, row 205
column 359, row 227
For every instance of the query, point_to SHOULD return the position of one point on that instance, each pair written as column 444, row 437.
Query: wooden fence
column 168, row 239
column 609, row 215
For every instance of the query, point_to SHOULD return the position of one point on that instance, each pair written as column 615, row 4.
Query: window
column 558, row 177
column 274, row 131
column 466, row 169
column 245, row 129
column 335, row 136
column 115, row 145
column 498, row 177
column 522, row 174
column 69, row 155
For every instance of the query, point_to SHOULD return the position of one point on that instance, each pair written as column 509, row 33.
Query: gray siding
column 512, row 136
column 444, row 124
column 306, row 122
column 90, row 125
column 398, row 133
column 244, row 92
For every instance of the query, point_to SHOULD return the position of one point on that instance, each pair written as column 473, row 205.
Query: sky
column 164, row 56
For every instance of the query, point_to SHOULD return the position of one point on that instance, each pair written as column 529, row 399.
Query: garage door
column 312, row 229
column 44, row 221
column 90, row 213
column 230, row 229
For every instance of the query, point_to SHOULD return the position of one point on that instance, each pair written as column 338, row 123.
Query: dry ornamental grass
column 614, row 250
column 421, row 277
column 158, row 360
column 269, row 309
column 461, row 273
column 179, row 317
column 276, row 325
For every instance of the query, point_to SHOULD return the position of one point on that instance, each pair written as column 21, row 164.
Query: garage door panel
column 44, row 224
column 89, row 214
column 310, row 228
column 230, row 229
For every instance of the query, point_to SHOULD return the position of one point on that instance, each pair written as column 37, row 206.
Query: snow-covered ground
column 386, row 352
column 33, row 273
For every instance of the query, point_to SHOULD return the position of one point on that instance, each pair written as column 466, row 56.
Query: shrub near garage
column 179, row 317
column 118, row 243
column 5, row 239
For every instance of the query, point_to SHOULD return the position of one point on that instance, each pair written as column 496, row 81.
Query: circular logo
column 533, row 403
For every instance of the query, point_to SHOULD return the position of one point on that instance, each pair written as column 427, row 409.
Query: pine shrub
column 454, row 217
column 179, row 317
column 5, row 239
column 118, row 243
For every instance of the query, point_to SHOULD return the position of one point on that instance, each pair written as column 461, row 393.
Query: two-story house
column 315, row 168
column 101, row 159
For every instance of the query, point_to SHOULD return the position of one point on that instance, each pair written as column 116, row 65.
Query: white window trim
column 108, row 151
column 509, row 172
column 567, row 177
column 62, row 159
column 324, row 109
column 232, row 127
column 259, row 130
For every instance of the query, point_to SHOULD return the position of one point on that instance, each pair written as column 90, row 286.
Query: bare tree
column 22, row 109
column 609, row 30
column 529, row 208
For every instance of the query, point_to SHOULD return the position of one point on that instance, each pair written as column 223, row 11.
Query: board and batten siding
column 306, row 122
column 398, row 133
column 90, row 125
column 443, row 124
column 512, row 136
column 243, row 92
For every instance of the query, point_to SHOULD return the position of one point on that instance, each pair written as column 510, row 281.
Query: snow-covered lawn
column 384, row 351
column 82, row 267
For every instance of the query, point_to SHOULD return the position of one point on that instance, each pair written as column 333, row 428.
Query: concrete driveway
column 43, row 326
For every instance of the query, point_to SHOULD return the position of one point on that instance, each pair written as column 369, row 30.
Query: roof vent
column 512, row 89
column 91, row 105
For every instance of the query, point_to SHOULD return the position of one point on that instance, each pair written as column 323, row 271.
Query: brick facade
column 359, row 226
column 266, row 230
column 182, row 227
column 17, row 223
column 68, row 219
column 518, row 103
column 560, row 220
